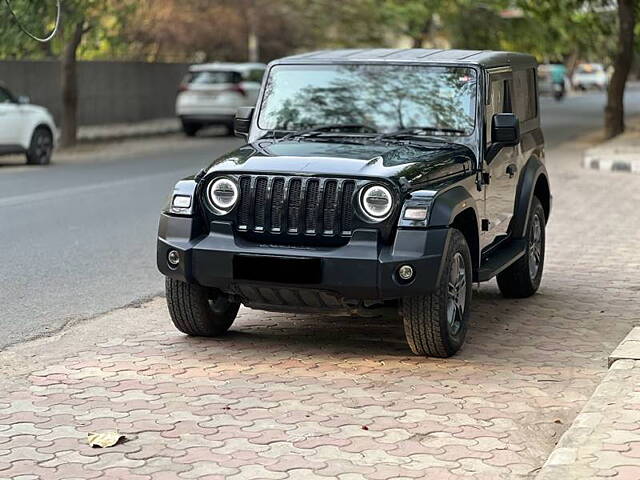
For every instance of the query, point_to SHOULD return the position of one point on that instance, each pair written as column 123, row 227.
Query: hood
column 30, row 108
column 415, row 164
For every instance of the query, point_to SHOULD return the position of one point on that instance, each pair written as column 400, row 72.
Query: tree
column 614, row 111
column 415, row 18
column 84, row 23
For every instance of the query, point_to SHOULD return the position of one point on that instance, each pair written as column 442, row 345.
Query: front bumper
column 363, row 269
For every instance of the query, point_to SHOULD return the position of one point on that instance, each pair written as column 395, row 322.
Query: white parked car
column 25, row 128
column 590, row 75
column 211, row 94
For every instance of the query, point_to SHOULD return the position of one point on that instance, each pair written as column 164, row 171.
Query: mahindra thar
column 370, row 179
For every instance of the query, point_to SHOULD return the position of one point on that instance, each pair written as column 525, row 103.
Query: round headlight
column 377, row 201
column 223, row 194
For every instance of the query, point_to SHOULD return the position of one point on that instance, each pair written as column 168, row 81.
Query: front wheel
column 436, row 324
column 41, row 147
column 199, row 311
column 523, row 278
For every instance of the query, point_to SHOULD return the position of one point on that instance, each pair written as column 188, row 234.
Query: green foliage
column 103, row 21
column 217, row 29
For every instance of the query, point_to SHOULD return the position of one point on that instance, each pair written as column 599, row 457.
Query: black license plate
column 271, row 269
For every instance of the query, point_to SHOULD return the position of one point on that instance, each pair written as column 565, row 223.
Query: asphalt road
column 78, row 237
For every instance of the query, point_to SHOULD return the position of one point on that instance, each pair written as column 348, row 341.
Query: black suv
column 371, row 179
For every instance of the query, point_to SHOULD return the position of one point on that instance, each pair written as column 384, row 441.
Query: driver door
column 10, row 120
column 500, row 193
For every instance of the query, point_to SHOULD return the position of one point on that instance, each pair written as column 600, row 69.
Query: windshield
column 386, row 98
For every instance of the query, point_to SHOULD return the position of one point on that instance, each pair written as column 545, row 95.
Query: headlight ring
column 223, row 194
column 376, row 202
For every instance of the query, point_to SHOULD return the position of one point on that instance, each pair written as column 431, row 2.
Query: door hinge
column 485, row 225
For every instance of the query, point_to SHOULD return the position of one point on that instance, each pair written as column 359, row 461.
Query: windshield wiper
column 414, row 132
column 328, row 128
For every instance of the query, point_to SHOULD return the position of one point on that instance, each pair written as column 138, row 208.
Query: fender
column 448, row 205
column 182, row 224
column 532, row 171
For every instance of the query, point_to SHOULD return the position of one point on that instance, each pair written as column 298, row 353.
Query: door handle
column 511, row 170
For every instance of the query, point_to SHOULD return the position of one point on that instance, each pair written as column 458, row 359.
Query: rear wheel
column 190, row 129
column 41, row 147
column 199, row 311
column 436, row 324
column 523, row 278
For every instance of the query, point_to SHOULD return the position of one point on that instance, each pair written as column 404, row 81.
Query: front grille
column 296, row 205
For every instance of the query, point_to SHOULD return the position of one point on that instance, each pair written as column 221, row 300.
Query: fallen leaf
column 558, row 421
column 364, row 427
column 104, row 439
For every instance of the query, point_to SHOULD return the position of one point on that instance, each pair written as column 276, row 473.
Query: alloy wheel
column 456, row 294
column 535, row 247
column 43, row 146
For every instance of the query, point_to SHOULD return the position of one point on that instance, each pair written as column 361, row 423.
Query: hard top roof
column 232, row 67
column 484, row 58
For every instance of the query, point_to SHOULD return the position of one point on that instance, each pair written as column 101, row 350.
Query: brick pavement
column 604, row 439
column 292, row 396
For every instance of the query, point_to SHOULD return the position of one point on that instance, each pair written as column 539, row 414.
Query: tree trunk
column 423, row 35
column 614, row 111
column 70, row 87
column 572, row 64
column 252, row 38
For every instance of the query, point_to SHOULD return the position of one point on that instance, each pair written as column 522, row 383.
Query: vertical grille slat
column 289, row 205
column 277, row 204
column 311, row 206
column 346, row 214
column 295, row 189
column 329, row 210
column 245, row 202
column 260, row 204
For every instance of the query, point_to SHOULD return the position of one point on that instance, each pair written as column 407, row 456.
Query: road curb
column 627, row 349
column 621, row 154
column 605, row 430
column 150, row 128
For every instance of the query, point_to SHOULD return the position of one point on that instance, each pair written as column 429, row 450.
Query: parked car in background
column 590, row 75
column 25, row 128
column 211, row 94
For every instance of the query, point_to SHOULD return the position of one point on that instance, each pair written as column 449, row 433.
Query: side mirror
column 505, row 132
column 505, row 129
column 24, row 100
column 242, row 122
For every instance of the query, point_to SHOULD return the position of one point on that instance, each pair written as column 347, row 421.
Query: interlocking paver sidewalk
column 604, row 441
column 292, row 396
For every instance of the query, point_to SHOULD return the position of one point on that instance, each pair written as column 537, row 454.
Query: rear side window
column 5, row 97
column 213, row 77
column 254, row 75
column 524, row 101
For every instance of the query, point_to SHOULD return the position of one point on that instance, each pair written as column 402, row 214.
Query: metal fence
column 109, row 92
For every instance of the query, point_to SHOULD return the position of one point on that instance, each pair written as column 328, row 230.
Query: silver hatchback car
column 211, row 94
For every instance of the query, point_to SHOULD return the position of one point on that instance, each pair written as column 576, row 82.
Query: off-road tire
column 426, row 318
column 517, row 280
column 41, row 147
column 190, row 129
column 199, row 311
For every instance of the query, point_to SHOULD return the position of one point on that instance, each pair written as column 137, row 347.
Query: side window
column 524, row 94
column 500, row 103
column 5, row 97
column 254, row 75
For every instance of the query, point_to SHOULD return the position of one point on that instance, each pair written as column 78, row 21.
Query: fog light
column 174, row 258
column 405, row 272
